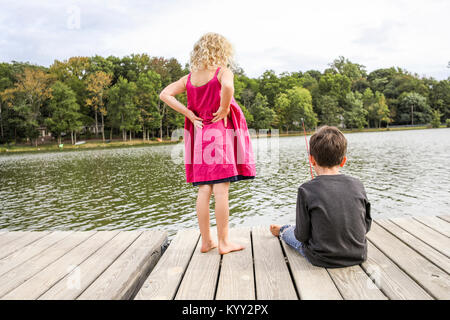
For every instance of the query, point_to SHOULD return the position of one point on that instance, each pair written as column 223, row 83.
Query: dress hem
column 229, row 179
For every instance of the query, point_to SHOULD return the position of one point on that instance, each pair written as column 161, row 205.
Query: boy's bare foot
column 275, row 229
column 208, row 246
column 228, row 247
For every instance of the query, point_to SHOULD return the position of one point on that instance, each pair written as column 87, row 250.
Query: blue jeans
column 287, row 235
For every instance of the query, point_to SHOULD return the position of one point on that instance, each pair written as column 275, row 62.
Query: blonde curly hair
column 212, row 50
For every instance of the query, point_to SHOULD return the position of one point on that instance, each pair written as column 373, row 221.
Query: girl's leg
column 222, row 213
column 204, row 195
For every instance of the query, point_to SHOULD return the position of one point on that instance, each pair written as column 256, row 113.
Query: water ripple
column 405, row 173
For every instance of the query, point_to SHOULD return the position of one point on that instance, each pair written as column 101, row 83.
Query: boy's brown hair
column 328, row 146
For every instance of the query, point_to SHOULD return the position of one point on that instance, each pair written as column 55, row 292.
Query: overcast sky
column 277, row 34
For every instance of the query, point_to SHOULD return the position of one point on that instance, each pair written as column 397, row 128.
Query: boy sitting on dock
column 333, row 213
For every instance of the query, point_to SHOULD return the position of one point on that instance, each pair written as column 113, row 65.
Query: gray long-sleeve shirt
column 333, row 217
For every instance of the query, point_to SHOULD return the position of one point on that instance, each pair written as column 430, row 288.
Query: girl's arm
column 227, row 91
column 168, row 96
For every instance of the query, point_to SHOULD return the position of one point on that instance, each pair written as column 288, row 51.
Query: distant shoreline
column 99, row 145
column 400, row 128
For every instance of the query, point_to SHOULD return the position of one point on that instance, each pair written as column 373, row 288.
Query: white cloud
column 279, row 35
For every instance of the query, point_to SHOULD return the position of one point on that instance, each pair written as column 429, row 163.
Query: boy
column 333, row 213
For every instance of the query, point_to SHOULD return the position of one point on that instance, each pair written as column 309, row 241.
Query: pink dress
column 214, row 153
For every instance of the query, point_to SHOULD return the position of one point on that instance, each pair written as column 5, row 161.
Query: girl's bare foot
column 228, row 247
column 208, row 246
column 275, row 229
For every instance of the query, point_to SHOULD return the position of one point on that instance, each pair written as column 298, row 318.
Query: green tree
column 367, row 97
column 148, row 88
column 122, row 105
column 308, row 81
column 245, row 90
column 132, row 66
column 414, row 109
column 355, row 115
column 173, row 119
column 239, row 87
column 27, row 98
column 261, row 113
column 336, row 85
column 380, row 78
column 440, row 97
column 436, row 119
column 73, row 72
column 269, row 86
column 351, row 70
column 64, row 115
column 97, row 85
column 248, row 116
column 378, row 110
column 289, row 80
column 12, row 124
column 170, row 70
column 293, row 106
column 98, row 63
column 6, row 81
column 329, row 111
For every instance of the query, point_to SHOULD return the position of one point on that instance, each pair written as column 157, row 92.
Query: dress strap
column 217, row 72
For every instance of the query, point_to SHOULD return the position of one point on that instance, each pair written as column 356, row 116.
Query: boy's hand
column 196, row 121
column 222, row 113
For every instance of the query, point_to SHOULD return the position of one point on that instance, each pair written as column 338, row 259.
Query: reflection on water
column 405, row 173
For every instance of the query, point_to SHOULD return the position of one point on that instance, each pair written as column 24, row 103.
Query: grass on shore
column 99, row 144
column 89, row 145
column 367, row 130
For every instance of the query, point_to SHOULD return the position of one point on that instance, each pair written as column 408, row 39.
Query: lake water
column 405, row 173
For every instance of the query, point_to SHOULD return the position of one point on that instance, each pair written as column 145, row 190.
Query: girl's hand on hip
column 222, row 113
column 196, row 121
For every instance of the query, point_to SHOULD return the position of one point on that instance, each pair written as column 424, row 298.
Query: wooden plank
column 416, row 244
column 309, row 278
column 23, row 272
column 394, row 283
column 273, row 281
column 46, row 278
column 354, row 284
column 445, row 218
column 435, row 223
column 123, row 278
column 7, row 237
column 31, row 250
column 434, row 280
column 163, row 282
column 200, row 280
column 433, row 238
column 20, row 242
column 236, row 280
column 74, row 283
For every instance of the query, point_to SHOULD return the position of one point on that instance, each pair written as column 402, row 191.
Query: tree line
column 120, row 95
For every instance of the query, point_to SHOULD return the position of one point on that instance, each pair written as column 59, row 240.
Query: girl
column 217, row 144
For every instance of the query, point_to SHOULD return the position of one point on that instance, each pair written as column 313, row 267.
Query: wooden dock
column 408, row 258
column 76, row 265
